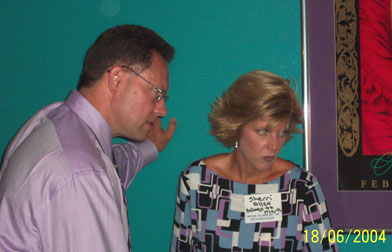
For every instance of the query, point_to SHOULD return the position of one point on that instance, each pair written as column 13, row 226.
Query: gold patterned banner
column 363, row 94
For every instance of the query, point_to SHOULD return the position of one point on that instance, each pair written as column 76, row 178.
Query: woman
column 250, row 199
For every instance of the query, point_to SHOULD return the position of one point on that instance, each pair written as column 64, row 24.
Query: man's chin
column 136, row 138
column 139, row 138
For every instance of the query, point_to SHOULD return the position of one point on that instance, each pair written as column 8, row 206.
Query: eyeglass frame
column 159, row 93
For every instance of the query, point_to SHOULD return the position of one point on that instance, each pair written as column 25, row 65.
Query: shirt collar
column 87, row 112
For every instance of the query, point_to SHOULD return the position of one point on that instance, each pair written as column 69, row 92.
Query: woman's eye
column 284, row 133
column 262, row 132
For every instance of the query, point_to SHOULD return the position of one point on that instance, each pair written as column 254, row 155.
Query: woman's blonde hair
column 255, row 95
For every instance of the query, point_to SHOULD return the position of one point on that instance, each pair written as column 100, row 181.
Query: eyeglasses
column 160, row 94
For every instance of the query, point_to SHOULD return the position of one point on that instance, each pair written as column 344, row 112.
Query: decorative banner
column 364, row 94
column 355, row 183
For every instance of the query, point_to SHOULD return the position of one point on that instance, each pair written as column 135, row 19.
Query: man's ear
column 115, row 78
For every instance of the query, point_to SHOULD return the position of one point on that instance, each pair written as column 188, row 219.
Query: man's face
column 134, row 108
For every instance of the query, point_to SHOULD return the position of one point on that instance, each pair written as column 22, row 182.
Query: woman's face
column 260, row 143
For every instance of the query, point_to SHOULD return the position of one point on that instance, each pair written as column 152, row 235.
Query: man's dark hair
column 122, row 45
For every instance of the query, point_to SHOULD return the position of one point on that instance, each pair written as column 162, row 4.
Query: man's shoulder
column 57, row 148
column 45, row 159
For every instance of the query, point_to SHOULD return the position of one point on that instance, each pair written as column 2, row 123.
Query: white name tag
column 263, row 207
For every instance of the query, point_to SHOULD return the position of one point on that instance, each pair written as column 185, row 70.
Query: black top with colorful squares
column 210, row 214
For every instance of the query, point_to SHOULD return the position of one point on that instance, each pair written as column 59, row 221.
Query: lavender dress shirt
column 59, row 190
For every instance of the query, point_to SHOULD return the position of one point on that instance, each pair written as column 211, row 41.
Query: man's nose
column 160, row 108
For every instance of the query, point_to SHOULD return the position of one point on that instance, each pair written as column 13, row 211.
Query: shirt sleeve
column 315, row 219
column 182, row 225
column 131, row 157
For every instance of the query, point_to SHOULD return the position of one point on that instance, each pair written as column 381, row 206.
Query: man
column 62, row 181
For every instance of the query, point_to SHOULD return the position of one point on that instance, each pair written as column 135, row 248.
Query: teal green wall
column 42, row 45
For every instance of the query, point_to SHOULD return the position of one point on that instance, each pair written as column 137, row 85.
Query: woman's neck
column 234, row 167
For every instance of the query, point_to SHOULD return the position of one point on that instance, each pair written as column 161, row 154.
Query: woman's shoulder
column 292, row 170
column 282, row 168
column 215, row 159
column 300, row 173
column 196, row 163
column 197, row 166
column 205, row 166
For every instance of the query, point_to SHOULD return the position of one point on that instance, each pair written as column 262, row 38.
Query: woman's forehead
column 270, row 122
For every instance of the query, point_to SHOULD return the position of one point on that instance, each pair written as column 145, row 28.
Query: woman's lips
column 269, row 158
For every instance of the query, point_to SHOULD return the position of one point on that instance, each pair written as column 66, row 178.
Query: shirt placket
column 124, row 200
